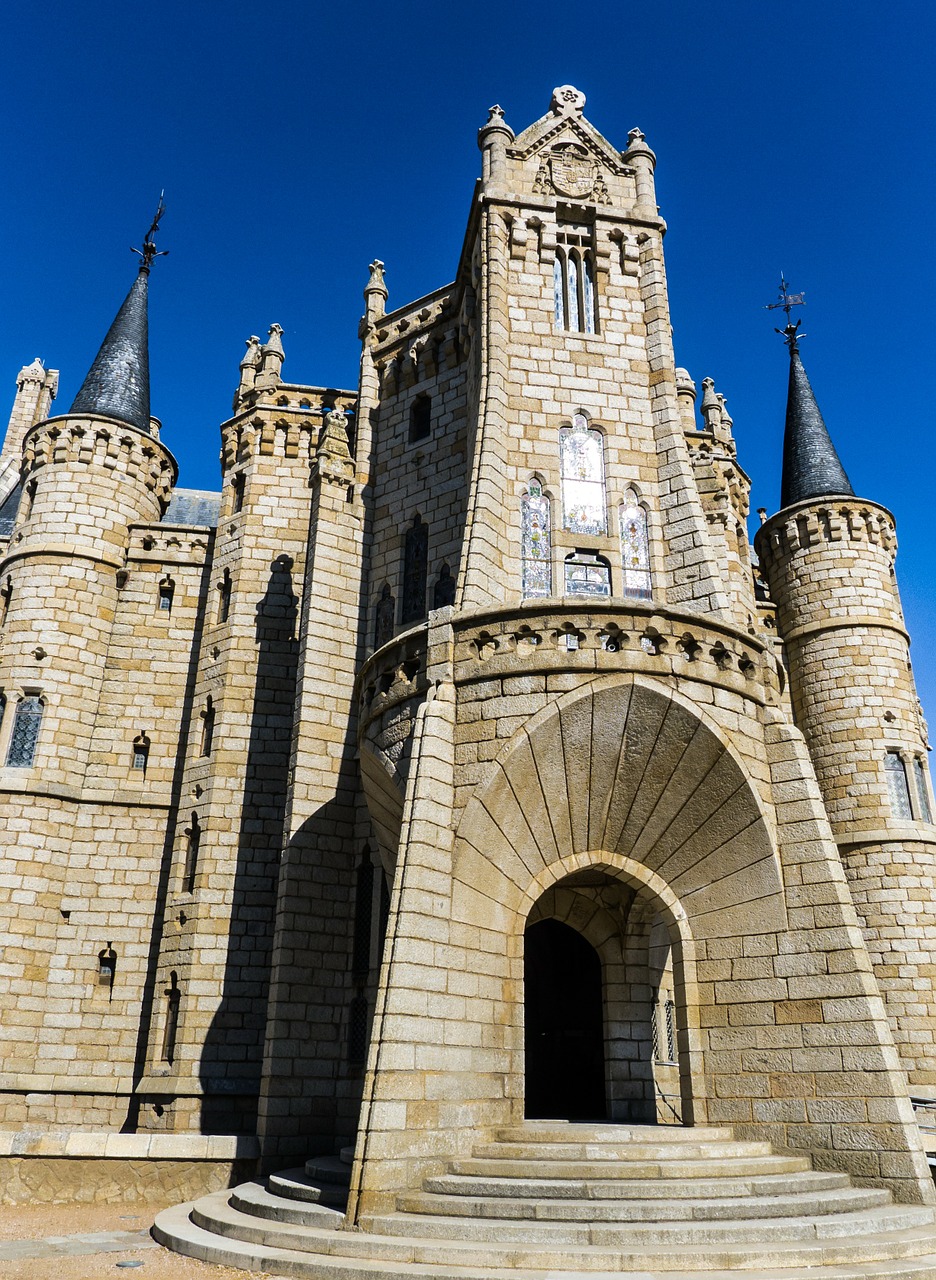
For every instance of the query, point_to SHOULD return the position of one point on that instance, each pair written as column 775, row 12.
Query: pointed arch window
column 535, row 543
column 922, row 789
column 635, row 547
column 581, row 454
column 587, row 574
column 27, row 721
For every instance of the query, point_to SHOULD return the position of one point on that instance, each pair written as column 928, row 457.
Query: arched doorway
column 564, row 1025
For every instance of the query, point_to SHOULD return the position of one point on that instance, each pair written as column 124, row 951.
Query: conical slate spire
column 811, row 467
column 117, row 385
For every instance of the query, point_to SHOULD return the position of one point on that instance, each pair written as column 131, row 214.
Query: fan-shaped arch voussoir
column 633, row 769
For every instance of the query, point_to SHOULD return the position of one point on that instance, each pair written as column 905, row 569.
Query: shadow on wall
column 232, row 1057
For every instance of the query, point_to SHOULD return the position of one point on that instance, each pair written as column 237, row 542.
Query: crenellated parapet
column 289, row 427
column 86, row 440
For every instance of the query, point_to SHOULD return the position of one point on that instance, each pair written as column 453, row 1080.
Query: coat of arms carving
column 572, row 169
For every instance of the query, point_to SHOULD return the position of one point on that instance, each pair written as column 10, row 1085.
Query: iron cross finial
column 149, row 250
column 786, row 301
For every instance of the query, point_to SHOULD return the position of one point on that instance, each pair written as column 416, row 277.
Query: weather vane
column 786, row 301
column 149, row 250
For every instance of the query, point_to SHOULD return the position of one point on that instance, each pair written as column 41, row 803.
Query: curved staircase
column 554, row 1201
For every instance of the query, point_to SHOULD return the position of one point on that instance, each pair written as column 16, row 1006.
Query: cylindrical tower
column 829, row 560
column 87, row 476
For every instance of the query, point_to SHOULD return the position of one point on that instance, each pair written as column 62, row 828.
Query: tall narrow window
column 922, row 789
column 238, row 482
column 208, row 724
column 415, row 568
column 383, row 616
column 573, row 310
column 897, row 789
column 581, row 453
column 192, row 843
column 171, row 1027
column 635, row 548
column 166, row 592
column 420, row 418
column 6, row 595
column 588, row 295
column 535, row 549
column 363, row 915
column 27, row 720
column 224, row 596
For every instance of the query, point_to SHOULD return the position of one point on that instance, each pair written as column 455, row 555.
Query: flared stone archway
column 626, row 777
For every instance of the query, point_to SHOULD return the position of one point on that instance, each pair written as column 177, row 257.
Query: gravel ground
column 34, row 1223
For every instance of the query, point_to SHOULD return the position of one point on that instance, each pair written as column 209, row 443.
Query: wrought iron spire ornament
column 149, row 250
column 786, row 301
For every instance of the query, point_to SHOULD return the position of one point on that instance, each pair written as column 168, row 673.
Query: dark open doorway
column 565, row 1071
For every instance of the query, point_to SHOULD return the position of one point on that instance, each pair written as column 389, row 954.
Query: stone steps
column 810, row 1204
column 297, row 1184
column 301, row 1252
column 535, row 1213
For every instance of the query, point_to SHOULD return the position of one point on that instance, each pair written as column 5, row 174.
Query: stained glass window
column 897, row 788
column 415, row 567
column 26, row 722
column 919, row 776
column 574, row 297
column 635, row 548
column 581, row 454
column 573, row 292
column 587, row 574
column 536, row 554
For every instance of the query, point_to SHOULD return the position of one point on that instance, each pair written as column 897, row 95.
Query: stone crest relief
column 572, row 170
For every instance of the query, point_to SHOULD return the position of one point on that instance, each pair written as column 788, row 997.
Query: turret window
column 535, row 550
column 237, row 492
column 27, row 721
column 581, row 454
column 224, row 596
column 384, row 615
column 898, row 790
column 166, row 592
column 208, row 725
column 635, row 548
column 141, row 748
column 443, row 592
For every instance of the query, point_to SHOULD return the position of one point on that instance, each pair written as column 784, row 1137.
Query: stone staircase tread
column 253, row 1197
column 295, row 1184
column 755, row 1232
column 620, row 1152
column 583, row 1188
column 572, row 1131
column 752, row 1166
column 808, row 1203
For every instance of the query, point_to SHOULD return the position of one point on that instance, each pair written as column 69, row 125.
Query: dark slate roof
column 117, row 385
column 193, row 506
column 8, row 510
column 811, row 467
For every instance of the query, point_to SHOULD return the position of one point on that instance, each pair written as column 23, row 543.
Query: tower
column 80, row 827
column 828, row 557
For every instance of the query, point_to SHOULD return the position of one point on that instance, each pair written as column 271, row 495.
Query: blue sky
column 298, row 141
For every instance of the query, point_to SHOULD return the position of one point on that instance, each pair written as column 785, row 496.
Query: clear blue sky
column 297, row 141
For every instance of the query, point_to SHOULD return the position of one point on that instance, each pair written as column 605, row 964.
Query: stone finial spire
column 494, row 137
column 272, row 356
column 811, row 466
column 117, row 384
column 643, row 161
column 375, row 292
